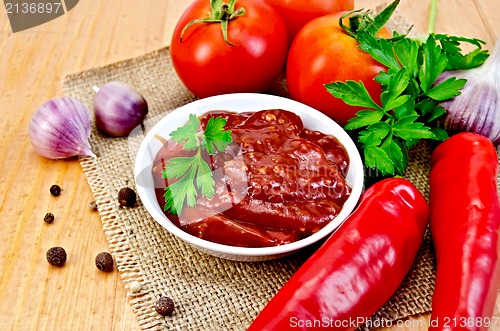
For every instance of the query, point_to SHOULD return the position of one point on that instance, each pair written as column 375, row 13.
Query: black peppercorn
column 127, row 197
column 104, row 261
column 93, row 206
column 49, row 218
column 164, row 306
column 56, row 256
column 55, row 190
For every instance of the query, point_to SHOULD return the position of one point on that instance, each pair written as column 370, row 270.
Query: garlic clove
column 477, row 108
column 60, row 128
column 119, row 108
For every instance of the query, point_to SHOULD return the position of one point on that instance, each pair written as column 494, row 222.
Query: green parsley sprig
column 193, row 173
column 411, row 91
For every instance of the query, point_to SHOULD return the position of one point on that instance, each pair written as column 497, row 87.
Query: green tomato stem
column 360, row 20
column 221, row 13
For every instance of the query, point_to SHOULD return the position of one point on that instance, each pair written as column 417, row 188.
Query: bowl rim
column 200, row 106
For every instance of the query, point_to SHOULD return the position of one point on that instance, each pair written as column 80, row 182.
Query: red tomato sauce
column 276, row 183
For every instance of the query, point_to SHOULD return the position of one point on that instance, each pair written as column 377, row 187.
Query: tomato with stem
column 240, row 46
column 323, row 53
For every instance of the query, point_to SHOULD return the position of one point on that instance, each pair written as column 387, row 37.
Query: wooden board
column 33, row 295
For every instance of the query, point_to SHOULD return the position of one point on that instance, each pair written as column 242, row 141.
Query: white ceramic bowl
column 241, row 102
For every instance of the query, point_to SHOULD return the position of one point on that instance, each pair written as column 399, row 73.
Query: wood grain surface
column 33, row 63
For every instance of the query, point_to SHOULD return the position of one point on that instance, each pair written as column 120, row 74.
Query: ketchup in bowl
column 276, row 183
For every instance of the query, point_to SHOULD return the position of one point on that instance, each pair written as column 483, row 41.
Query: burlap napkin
column 209, row 293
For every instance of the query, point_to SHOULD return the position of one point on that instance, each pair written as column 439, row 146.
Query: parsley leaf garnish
column 215, row 136
column 193, row 173
column 457, row 60
column 411, row 91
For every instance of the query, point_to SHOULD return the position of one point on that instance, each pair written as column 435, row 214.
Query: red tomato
column 208, row 66
column 296, row 13
column 322, row 53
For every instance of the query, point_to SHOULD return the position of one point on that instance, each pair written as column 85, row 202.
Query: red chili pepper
column 358, row 268
column 465, row 225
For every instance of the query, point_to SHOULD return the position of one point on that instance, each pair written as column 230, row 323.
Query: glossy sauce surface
column 276, row 183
